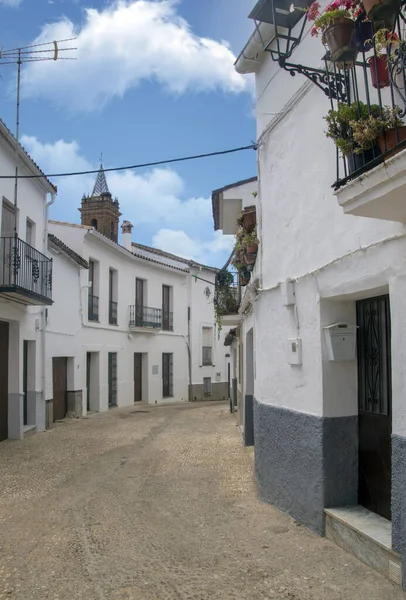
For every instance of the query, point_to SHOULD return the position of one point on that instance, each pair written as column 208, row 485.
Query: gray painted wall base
column 249, row 420
column 399, row 500
column 41, row 409
column 15, row 416
column 234, row 393
column 49, row 413
column 31, row 408
column 219, row 391
column 75, row 404
column 305, row 463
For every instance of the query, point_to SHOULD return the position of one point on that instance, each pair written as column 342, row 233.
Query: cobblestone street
column 156, row 503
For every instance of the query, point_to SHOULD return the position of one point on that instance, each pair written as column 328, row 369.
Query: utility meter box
column 295, row 351
column 341, row 341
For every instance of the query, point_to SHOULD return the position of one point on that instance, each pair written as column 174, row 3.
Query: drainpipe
column 44, row 316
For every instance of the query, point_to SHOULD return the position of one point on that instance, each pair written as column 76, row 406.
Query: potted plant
column 381, row 10
column 393, row 131
column 250, row 243
column 337, row 28
column 378, row 64
column 361, row 149
column 225, row 299
column 230, row 337
column 244, row 276
column 249, row 218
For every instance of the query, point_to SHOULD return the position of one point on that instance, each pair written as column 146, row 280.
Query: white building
column 329, row 415
column 143, row 319
column 25, row 290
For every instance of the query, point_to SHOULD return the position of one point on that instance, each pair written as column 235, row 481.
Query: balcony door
column 166, row 292
column 6, row 248
column 4, row 337
column 7, row 220
column 139, row 302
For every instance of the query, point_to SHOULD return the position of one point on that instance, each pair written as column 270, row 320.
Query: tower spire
column 100, row 187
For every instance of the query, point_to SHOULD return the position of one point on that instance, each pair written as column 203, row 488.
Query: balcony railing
column 207, row 356
column 372, row 92
column 25, row 273
column 93, row 308
column 144, row 316
column 167, row 320
column 227, row 293
column 112, row 312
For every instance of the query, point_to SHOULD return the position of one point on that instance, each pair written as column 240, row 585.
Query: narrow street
column 157, row 503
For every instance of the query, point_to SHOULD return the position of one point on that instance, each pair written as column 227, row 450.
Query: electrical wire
column 252, row 146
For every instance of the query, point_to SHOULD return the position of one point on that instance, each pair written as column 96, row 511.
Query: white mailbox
column 341, row 341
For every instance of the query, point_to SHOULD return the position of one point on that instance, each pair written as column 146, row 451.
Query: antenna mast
column 17, row 56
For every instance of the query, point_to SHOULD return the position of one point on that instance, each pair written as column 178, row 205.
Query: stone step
column 367, row 536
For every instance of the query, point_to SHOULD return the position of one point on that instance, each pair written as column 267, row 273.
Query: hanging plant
column 225, row 301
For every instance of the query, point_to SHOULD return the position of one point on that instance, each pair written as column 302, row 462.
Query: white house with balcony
column 327, row 299
column 146, row 317
column 26, row 274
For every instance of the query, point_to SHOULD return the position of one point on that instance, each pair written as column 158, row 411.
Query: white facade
column 306, row 408
column 25, row 291
column 125, row 338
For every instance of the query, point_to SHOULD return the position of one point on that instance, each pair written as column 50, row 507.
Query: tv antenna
column 28, row 54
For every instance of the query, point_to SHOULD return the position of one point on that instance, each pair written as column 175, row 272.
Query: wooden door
column 4, row 337
column 88, row 367
column 59, row 371
column 25, row 382
column 137, row 377
column 374, row 405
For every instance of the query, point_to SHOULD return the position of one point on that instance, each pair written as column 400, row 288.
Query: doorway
column 60, row 379
column 25, row 383
column 374, row 404
column 137, row 377
column 4, row 338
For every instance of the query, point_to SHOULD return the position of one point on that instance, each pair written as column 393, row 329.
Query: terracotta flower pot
column 379, row 71
column 244, row 281
column 340, row 39
column 381, row 10
column 391, row 140
column 249, row 220
column 251, row 251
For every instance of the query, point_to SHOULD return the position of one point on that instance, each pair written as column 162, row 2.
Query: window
column 30, row 233
column 113, row 235
column 139, row 302
column 112, row 378
column 93, row 298
column 93, row 223
column 7, row 219
column 167, row 314
column 207, row 391
column 207, row 338
column 112, row 297
column 167, row 375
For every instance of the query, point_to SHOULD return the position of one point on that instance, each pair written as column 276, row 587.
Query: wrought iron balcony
column 207, row 356
column 25, row 273
column 112, row 312
column 145, row 317
column 93, row 308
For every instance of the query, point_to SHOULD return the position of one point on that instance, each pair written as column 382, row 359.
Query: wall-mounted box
column 288, row 293
column 295, row 351
column 341, row 341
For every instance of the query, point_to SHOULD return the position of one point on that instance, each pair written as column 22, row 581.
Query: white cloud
column 124, row 44
column 10, row 2
column 153, row 201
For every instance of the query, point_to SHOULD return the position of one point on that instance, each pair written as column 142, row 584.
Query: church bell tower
column 100, row 210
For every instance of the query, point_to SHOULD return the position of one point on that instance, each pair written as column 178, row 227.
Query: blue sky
column 153, row 79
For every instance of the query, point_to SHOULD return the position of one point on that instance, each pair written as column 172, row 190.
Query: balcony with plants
column 366, row 121
column 364, row 76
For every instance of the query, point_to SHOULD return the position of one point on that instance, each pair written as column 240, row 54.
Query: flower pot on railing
column 379, row 71
column 249, row 220
column 251, row 252
column 381, row 10
column 363, row 33
column 340, row 39
column 392, row 138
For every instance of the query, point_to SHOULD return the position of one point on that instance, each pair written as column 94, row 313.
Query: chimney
column 126, row 240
